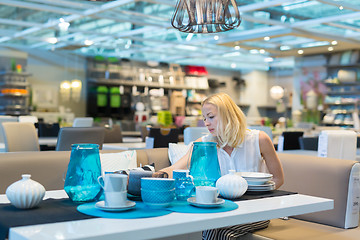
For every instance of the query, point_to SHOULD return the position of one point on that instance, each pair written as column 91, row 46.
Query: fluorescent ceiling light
column 233, row 54
column 285, row 48
column 298, row 4
column 314, row 44
column 187, row 47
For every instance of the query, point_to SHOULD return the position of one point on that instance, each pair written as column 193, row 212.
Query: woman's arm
column 271, row 159
column 181, row 163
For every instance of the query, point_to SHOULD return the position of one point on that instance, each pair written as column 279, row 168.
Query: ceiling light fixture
column 206, row 16
column 300, row 51
column 52, row 40
column 334, row 43
column 88, row 42
column 266, row 38
column 237, row 47
column 330, row 49
column 63, row 25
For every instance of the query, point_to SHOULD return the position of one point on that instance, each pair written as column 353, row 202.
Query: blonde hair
column 231, row 125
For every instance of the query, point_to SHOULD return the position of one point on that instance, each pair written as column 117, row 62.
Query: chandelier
column 206, row 16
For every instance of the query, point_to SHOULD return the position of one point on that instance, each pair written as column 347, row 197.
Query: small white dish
column 101, row 205
column 192, row 201
column 255, row 178
column 256, row 175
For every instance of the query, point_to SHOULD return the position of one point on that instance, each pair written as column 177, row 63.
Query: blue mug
column 181, row 173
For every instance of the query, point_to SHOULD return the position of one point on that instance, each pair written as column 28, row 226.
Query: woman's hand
column 160, row 174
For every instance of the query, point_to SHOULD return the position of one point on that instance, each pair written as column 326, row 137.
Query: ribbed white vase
column 25, row 193
column 231, row 186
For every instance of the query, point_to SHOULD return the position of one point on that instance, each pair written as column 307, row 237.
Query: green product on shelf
column 115, row 98
column 102, row 92
column 113, row 59
column 165, row 118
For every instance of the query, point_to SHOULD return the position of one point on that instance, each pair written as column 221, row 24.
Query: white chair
column 20, row 136
column 5, row 119
column 83, row 122
column 30, row 119
column 193, row 133
column 265, row 129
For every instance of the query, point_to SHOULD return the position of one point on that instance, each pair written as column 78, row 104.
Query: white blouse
column 244, row 158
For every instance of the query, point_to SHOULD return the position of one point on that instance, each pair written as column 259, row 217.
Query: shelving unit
column 342, row 99
column 14, row 93
column 129, row 75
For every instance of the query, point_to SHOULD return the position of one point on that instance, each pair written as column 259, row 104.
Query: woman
column 239, row 148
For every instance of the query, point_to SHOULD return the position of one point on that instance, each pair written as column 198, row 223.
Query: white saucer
column 265, row 185
column 192, row 201
column 101, row 205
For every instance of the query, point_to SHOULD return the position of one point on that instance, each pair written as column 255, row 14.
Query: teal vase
column 84, row 168
column 204, row 165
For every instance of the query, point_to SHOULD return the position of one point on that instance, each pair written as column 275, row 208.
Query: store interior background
column 48, row 69
column 294, row 23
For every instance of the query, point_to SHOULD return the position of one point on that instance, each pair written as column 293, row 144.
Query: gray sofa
column 322, row 177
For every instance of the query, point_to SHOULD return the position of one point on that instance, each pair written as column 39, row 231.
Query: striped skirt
column 233, row 232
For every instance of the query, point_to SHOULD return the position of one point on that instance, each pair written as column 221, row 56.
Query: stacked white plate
column 258, row 181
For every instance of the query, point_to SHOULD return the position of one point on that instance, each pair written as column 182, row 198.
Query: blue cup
column 160, row 184
column 181, row 173
column 184, row 188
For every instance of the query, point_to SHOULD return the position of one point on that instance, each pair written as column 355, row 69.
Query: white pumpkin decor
column 25, row 193
column 231, row 186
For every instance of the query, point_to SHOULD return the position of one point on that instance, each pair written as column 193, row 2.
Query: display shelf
column 141, row 84
column 340, row 103
column 14, row 93
column 356, row 93
column 15, row 84
column 330, row 84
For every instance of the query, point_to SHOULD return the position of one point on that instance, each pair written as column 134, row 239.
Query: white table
column 171, row 224
column 131, row 133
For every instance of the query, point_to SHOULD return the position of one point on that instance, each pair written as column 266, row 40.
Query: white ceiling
column 141, row 30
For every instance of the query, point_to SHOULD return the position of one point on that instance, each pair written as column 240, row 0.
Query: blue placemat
column 185, row 207
column 140, row 211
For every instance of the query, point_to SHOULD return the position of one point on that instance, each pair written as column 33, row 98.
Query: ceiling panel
column 141, row 30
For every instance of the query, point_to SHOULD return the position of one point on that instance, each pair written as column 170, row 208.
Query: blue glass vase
column 204, row 165
column 84, row 168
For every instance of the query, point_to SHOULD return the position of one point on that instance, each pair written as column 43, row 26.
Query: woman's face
column 210, row 116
